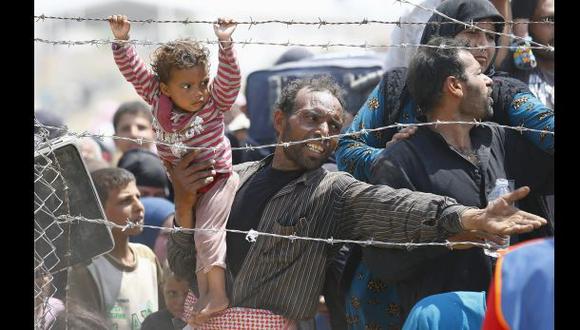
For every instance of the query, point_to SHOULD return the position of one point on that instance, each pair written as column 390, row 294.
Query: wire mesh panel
column 62, row 190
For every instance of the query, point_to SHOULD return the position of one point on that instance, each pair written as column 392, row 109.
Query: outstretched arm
column 226, row 85
column 400, row 215
column 129, row 63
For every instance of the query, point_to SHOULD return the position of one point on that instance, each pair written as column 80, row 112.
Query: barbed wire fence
column 52, row 215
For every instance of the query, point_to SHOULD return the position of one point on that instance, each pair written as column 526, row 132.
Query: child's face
column 188, row 88
column 123, row 204
column 175, row 292
column 133, row 126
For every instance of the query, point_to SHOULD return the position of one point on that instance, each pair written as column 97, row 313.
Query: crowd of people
column 414, row 185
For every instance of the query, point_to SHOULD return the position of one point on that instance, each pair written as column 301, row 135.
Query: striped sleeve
column 396, row 215
column 135, row 71
column 226, row 85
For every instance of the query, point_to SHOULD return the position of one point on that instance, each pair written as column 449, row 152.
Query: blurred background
column 83, row 85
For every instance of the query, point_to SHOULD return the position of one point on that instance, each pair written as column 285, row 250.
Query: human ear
column 279, row 121
column 453, row 86
column 164, row 89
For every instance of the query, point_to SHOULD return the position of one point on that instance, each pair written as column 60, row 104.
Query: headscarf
column 393, row 85
column 156, row 211
column 468, row 11
column 147, row 168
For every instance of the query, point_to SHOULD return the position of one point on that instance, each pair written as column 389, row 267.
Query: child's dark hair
column 107, row 179
column 178, row 54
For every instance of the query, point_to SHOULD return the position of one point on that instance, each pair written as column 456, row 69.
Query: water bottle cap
column 501, row 182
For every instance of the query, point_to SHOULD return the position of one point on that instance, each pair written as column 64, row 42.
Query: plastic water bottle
column 524, row 58
column 502, row 187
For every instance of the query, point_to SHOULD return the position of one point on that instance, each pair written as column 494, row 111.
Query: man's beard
column 295, row 153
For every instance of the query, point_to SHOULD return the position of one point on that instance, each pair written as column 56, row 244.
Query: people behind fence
column 459, row 161
column 521, row 296
column 133, row 120
column 124, row 285
column 148, row 170
column 188, row 111
column 289, row 193
column 157, row 212
column 538, row 77
column 92, row 154
column 175, row 291
column 391, row 102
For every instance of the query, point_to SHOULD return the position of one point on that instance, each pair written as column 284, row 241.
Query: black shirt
column 247, row 209
column 425, row 162
column 162, row 320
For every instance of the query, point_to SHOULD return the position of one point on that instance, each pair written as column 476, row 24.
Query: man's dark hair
column 132, row 108
column 107, row 179
column 287, row 100
column 430, row 67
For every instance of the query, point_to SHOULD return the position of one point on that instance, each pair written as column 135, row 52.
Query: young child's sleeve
column 226, row 85
column 135, row 71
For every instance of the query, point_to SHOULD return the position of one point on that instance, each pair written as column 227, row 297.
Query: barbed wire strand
column 252, row 22
column 365, row 45
column 473, row 26
column 363, row 131
column 252, row 235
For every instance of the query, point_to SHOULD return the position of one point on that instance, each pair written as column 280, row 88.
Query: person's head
column 148, row 170
column 120, row 198
column 133, row 120
column 538, row 10
column 451, row 79
column 89, row 149
column 294, row 54
column 49, row 118
column 182, row 67
column 482, row 14
column 175, row 291
column 95, row 164
column 157, row 211
column 160, row 247
column 309, row 108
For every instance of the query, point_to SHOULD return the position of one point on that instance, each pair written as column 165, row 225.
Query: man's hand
column 120, row 26
column 224, row 29
column 403, row 134
column 475, row 236
column 187, row 179
column 501, row 218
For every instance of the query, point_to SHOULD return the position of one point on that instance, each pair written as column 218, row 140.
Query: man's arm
column 520, row 107
column 186, row 180
column 382, row 213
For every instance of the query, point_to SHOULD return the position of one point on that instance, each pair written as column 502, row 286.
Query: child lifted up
column 188, row 111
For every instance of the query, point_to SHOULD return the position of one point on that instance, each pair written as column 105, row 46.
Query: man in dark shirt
column 458, row 161
column 289, row 193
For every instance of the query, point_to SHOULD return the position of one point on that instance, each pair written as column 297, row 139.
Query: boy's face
column 123, row 204
column 133, row 126
column 175, row 292
column 188, row 88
